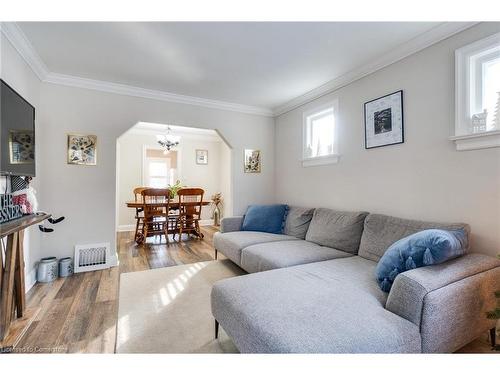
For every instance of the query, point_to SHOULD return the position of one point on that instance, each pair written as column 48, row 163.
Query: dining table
column 172, row 205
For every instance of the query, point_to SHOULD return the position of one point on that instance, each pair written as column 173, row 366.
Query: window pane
column 158, row 182
column 157, row 168
column 491, row 89
column 320, row 135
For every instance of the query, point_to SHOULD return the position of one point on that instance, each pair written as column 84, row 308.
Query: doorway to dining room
column 164, row 156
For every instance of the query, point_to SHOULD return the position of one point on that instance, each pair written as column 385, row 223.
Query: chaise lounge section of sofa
column 314, row 290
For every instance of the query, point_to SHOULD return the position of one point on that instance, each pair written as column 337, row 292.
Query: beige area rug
column 167, row 310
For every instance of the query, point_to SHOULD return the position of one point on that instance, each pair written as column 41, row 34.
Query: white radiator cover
column 92, row 257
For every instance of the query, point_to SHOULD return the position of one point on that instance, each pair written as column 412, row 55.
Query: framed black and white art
column 384, row 121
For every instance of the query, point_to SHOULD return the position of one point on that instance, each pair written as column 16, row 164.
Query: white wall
column 424, row 178
column 86, row 194
column 212, row 177
column 19, row 76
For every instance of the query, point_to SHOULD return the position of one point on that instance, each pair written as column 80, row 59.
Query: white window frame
column 144, row 163
column 332, row 158
column 469, row 58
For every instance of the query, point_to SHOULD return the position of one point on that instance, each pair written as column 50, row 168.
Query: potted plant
column 175, row 188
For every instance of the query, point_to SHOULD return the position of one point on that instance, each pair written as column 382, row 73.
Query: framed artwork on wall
column 82, row 149
column 201, row 156
column 384, row 121
column 252, row 161
column 21, row 146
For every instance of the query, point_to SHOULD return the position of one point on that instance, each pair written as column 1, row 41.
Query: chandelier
column 167, row 143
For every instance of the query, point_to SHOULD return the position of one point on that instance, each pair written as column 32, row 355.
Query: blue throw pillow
column 432, row 246
column 270, row 219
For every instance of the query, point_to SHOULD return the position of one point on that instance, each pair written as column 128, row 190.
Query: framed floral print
column 252, row 161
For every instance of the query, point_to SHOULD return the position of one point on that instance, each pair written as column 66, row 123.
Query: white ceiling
column 257, row 64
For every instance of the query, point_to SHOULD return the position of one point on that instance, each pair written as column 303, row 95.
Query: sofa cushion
column 267, row 218
column 230, row 244
column 325, row 307
column 337, row 229
column 268, row 256
column 424, row 248
column 382, row 231
column 297, row 221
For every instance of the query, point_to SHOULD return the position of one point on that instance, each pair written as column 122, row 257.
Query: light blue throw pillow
column 432, row 246
column 270, row 218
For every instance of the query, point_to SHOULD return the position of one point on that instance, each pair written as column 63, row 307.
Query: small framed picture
column 21, row 146
column 82, row 149
column 201, row 156
column 384, row 121
column 252, row 161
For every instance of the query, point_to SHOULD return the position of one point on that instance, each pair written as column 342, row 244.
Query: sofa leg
column 216, row 329
column 215, row 254
column 493, row 337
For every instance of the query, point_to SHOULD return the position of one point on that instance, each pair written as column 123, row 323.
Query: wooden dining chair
column 190, row 204
column 139, row 213
column 156, row 203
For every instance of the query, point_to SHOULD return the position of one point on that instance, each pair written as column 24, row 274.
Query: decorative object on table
column 168, row 141
column 496, row 118
column 201, row 156
column 47, row 270
column 252, row 161
column 9, row 210
column 175, row 188
column 22, row 146
column 478, row 122
column 216, row 204
column 384, row 121
column 65, row 267
column 82, row 149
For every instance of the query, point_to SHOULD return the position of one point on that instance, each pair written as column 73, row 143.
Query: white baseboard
column 126, row 228
column 206, row 222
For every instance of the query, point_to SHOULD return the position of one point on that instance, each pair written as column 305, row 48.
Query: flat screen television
column 17, row 133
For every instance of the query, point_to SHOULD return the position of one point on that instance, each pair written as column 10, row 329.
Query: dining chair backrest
column 190, row 201
column 156, row 202
column 137, row 193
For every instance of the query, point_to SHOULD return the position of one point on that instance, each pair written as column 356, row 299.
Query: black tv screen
column 17, row 133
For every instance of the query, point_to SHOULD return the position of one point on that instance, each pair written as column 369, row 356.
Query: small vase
column 216, row 216
column 65, row 267
column 47, row 270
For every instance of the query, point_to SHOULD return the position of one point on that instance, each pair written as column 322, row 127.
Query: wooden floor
column 78, row 314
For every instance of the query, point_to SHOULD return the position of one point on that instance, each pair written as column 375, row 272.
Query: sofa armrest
column 231, row 224
column 448, row 301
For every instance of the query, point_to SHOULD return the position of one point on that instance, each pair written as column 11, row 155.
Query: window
column 477, row 97
column 319, row 136
column 159, row 168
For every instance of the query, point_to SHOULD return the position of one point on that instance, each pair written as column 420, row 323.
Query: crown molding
column 121, row 89
column 420, row 42
column 24, row 47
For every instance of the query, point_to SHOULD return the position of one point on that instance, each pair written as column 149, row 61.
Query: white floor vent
column 92, row 257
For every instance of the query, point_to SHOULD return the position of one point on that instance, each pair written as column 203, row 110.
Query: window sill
column 477, row 141
column 320, row 160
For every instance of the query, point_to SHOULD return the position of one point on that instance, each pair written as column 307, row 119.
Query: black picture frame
column 384, row 119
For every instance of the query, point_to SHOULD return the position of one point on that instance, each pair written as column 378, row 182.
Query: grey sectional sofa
column 313, row 289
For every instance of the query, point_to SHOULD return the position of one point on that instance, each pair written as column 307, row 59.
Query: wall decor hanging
column 384, row 121
column 252, row 161
column 201, row 156
column 82, row 149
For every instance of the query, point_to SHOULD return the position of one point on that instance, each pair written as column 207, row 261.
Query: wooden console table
column 12, row 288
